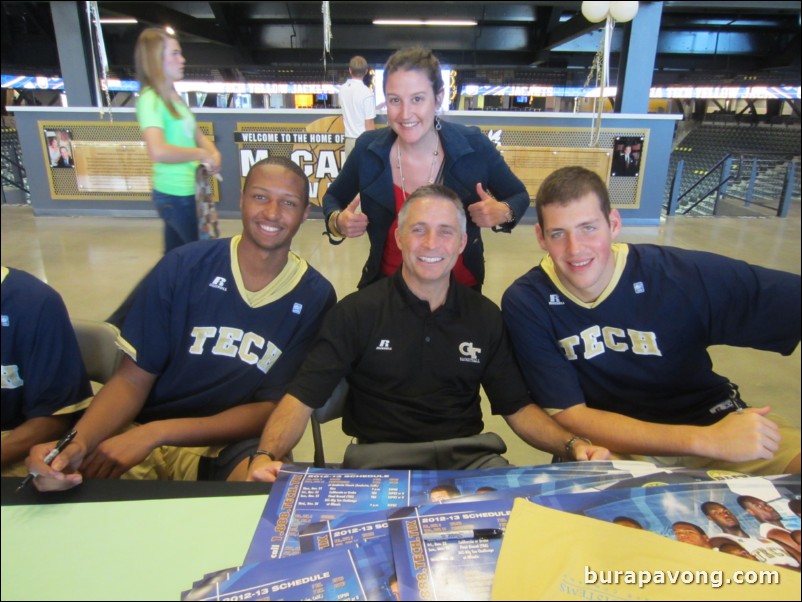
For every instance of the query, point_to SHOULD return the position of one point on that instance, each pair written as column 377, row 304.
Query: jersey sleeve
column 502, row 381
column 275, row 384
column 552, row 381
column 746, row 305
column 331, row 357
column 61, row 379
column 147, row 327
column 47, row 354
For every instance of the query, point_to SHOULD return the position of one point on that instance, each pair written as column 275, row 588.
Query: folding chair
column 333, row 408
column 99, row 351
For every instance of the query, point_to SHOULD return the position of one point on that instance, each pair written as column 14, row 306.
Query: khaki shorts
column 17, row 469
column 169, row 463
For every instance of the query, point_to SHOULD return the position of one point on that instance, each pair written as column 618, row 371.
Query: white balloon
column 595, row 11
column 623, row 11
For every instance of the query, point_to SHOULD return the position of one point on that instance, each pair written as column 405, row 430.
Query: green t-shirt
column 151, row 111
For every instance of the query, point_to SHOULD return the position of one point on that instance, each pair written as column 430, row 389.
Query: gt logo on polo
column 469, row 352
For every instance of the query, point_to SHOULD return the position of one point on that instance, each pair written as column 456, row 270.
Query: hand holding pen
column 48, row 459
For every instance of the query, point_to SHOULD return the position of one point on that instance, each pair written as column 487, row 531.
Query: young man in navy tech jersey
column 612, row 338
column 211, row 342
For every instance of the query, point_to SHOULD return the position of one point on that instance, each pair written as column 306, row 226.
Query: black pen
column 463, row 534
column 51, row 455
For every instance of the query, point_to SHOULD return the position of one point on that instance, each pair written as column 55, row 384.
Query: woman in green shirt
column 175, row 143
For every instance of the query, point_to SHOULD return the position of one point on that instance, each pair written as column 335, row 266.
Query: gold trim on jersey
column 281, row 285
column 620, row 253
column 125, row 347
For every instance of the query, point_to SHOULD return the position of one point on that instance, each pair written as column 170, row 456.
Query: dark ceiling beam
column 365, row 12
column 156, row 14
column 548, row 19
column 788, row 57
column 389, row 39
column 305, row 57
column 228, row 17
column 577, row 26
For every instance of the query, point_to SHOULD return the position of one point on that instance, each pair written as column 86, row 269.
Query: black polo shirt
column 414, row 374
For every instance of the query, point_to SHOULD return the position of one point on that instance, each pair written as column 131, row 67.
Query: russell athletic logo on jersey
column 596, row 340
column 384, row 345
column 219, row 283
column 248, row 347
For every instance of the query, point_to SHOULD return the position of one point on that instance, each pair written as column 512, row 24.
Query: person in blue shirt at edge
column 418, row 148
column 613, row 339
column 414, row 349
column 211, row 343
column 41, row 398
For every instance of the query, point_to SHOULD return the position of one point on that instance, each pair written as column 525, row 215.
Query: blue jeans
column 180, row 219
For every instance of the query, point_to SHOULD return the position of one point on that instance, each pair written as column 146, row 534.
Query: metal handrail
column 700, row 180
column 15, row 185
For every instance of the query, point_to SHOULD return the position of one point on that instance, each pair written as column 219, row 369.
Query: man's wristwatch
column 569, row 446
column 264, row 452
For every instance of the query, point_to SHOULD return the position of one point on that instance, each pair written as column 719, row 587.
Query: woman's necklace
column 435, row 154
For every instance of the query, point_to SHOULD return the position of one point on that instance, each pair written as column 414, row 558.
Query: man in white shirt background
column 357, row 103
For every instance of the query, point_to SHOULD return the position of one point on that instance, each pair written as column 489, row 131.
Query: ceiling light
column 429, row 22
column 118, row 21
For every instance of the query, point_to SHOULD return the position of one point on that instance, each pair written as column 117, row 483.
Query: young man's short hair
column 286, row 164
column 569, row 184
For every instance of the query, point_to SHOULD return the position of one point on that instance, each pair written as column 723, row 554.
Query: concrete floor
column 95, row 261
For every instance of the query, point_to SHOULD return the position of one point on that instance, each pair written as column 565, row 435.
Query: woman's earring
column 437, row 125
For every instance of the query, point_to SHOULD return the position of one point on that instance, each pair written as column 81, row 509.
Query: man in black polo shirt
column 415, row 349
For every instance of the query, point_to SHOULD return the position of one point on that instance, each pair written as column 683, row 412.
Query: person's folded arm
column 213, row 158
column 738, row 437
column 540, row 431
column 118, row 454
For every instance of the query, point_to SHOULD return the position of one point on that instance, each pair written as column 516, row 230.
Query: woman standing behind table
column 174, row 141
column 417, row 148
